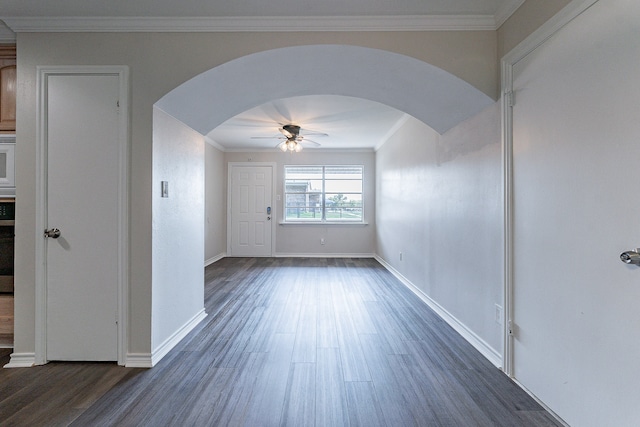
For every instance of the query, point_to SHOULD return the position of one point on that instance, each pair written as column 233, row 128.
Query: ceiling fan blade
column 343, row 116
column 309, row 132
column 310, row 142
column 267, row 137
column 280, row 112
column 247, row 121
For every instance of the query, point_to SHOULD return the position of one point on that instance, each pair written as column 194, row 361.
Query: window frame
column 323, row 193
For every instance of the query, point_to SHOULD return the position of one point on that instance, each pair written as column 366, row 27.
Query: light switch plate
column 164, row 185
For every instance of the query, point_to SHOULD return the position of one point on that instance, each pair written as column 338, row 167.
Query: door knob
column 54, row 233
column 631, row 257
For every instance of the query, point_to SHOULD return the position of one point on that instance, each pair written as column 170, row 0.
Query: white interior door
column 575, row 164
column 251, row 210
column 83, row 204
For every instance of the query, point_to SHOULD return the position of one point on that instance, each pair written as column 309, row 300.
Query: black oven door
column 7, row 233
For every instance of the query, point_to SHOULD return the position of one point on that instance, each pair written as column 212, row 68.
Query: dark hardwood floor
column 324, row 342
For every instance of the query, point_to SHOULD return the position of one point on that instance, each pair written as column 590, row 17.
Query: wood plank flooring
column 288, row 342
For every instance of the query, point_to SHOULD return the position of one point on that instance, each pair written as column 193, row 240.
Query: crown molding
column 396, row 126
column 6, row 35
column 505, row 11
column 572, row 10
column 252, row 24
column 213, row 143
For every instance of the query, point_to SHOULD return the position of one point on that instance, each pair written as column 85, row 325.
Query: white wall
column 347, row 240
column 576, row 160
column 168, row 60
column 178, row 227
column 215, row 227
column 438, row 201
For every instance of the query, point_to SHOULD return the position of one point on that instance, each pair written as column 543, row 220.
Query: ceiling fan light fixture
column 293, row 141
column 291, row 144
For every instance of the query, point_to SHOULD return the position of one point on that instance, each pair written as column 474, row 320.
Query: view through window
column 323, row 193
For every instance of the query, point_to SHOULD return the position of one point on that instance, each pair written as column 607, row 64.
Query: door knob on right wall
column 631, row 257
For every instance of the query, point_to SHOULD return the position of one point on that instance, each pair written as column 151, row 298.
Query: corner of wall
column 524, row 21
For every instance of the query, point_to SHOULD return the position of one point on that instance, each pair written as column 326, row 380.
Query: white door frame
column 531, row 43
column 274, row 209
column 42, row 205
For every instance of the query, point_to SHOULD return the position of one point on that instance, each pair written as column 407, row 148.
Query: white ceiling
column 252, row 96
column 348, row 122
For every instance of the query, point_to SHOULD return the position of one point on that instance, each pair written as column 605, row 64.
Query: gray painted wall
column 170, row 59
column 438, row 200
column 178, row 227
column 160, row 62
column 215, row 227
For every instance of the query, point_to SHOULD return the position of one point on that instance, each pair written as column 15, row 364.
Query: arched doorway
column 428, row 93
column 202, row 103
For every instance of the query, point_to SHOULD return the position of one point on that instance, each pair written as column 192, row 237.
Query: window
column 323, row 193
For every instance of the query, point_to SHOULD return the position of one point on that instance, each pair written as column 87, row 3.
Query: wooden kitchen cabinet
column 8, row 82
column 6, row 320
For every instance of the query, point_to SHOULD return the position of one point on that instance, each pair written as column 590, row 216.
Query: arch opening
column 201, row 104
column 428, row 93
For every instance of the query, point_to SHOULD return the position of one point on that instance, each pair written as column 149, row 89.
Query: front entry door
column 251, row 210
column 82, row 210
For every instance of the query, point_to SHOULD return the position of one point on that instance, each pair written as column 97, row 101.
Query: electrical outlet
column 322, row 240
column 498, row 314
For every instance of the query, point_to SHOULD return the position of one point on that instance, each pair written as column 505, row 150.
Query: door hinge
column 512, row 329
column 510, row 98
column 118, row 106
column 116, row 317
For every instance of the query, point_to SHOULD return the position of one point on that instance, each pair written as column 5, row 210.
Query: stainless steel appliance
column 7, row 166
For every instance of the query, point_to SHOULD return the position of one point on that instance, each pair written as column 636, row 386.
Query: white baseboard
column 138, row 360
column 322, row 255
column 164, row 348
column 149, row 360
column 481, row 345
column 540, row 402
column 21, row 360
column 214, row 259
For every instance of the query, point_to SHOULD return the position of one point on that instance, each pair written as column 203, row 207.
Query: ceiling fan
column 292, row 139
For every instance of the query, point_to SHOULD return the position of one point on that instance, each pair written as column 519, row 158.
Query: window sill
column 315, row 224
